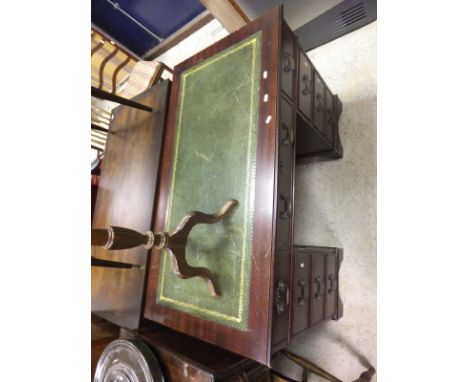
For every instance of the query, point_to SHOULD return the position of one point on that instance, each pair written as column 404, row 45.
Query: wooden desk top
column 218, row 118
column 127, row 190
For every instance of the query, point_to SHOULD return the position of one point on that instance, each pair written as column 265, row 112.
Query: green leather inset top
column 214, row 161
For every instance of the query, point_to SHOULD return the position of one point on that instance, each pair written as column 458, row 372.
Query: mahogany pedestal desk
column 240, row 113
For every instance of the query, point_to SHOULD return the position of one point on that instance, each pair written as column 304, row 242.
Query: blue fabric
column 162, row 17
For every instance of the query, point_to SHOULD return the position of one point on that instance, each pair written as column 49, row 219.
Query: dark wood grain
column 255, row 343
column 185, row 358
column 289, row 133
column 126, row 195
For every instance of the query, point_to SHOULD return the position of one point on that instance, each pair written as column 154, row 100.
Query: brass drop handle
column 281, row 296
column 289, row 139
column 302, row 284
column 308, row 85
column 318, row 294
column 329, row 116
column 332, row 284
column 287, row 212
column 319, row 106
column 289, row 62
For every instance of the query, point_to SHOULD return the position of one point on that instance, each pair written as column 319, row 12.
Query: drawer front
column 285, row 197
column 305, row 85
column 331, row 286
column 301, row 294
column 329, row 116
column 281, row 299
column 318, row 289
column 288, row 62
column 319, row 103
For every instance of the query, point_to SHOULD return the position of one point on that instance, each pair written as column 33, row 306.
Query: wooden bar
column 102, row 94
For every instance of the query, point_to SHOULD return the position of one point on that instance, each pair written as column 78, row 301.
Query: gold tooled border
column 184, row 76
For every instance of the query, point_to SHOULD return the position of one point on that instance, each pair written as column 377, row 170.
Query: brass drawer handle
column 290, row 63
column 319, row 293
column 329, row 117
column 308, row 85
column 319, row 106
column 332, row 284
column 302, row 284
column 287, row 212
column 289, row 139
column 281, row 296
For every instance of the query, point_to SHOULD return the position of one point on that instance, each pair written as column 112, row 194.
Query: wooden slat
column 99, row 128
column 116, row 72
column 228, row 13
column 188, row 29
column 99, row 45
column 103, row 65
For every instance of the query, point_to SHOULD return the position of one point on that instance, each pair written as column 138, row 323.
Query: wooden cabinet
column 317, row 122
column 314, row 291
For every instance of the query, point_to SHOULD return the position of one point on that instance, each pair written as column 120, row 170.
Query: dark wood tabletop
column 127, row 190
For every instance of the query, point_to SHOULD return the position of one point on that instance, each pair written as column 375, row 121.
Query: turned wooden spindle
column 120, row 238
column 175, row 242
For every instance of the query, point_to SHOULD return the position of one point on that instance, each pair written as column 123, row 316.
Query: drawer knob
column 281, row 296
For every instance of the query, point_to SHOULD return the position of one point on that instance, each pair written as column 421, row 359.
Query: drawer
column 288, row 62
column 285, row 162
column 301, row 293
column 331, row 286
column 318, row 289
column 329, row 117
column 281, row 300
column 305, row 85
column 319, row 103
